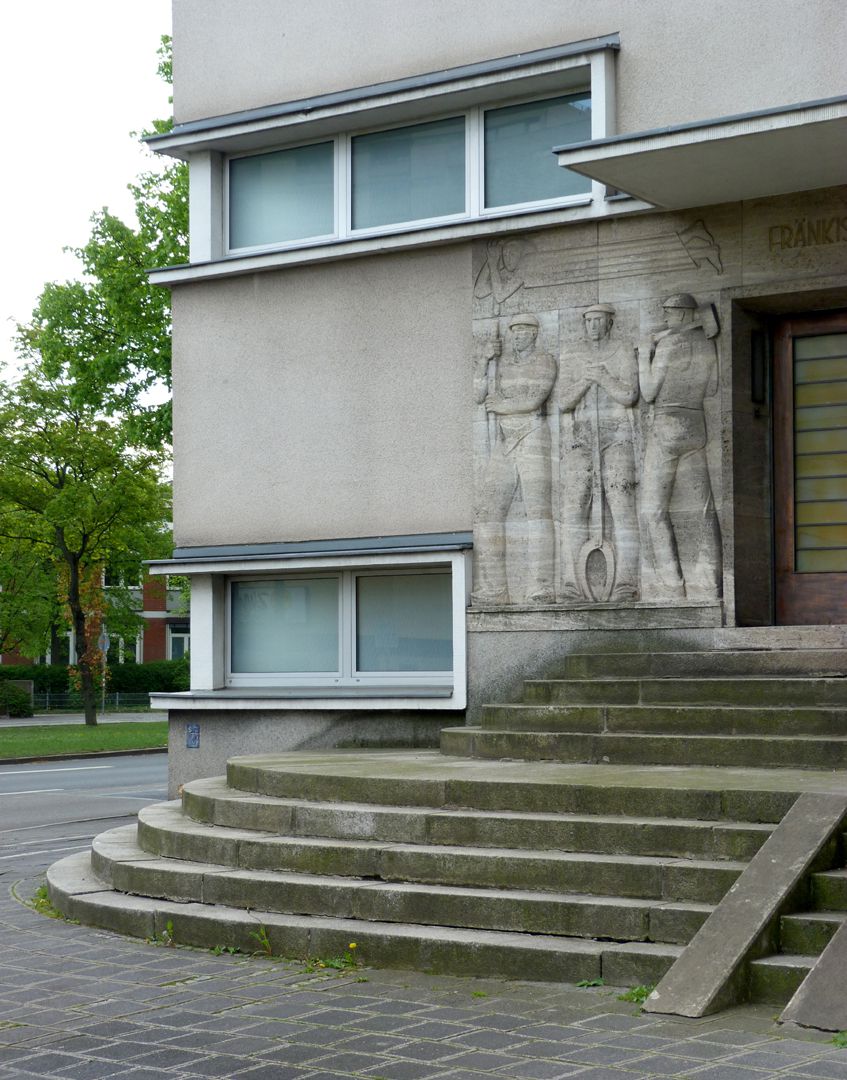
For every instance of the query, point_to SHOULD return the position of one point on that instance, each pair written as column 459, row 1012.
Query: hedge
column 158, row 675
column 14, row 701
column 52, row 677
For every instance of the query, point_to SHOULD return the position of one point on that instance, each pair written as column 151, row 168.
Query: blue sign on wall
column 192, row 736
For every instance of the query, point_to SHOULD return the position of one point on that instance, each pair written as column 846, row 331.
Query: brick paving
column 83, row 1004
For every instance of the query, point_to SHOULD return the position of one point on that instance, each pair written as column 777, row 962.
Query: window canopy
column 753, row 155
column 557, row 69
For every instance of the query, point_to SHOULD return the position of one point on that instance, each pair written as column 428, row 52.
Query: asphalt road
column 52, row 809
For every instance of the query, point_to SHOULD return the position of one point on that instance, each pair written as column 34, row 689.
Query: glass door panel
column 810, row 469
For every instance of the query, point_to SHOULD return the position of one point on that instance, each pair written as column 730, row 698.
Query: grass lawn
column 19, row 742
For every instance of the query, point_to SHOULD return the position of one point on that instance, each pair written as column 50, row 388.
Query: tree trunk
column 83, row 658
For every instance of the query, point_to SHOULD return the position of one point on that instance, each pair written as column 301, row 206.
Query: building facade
column 165, row 632
column 500, row 336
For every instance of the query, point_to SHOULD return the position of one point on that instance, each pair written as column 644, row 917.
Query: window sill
column 400, row 240
column 407, row 697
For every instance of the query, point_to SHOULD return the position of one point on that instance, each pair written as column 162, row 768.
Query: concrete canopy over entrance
column 752, row 155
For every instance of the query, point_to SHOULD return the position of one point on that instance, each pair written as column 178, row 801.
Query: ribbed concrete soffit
column 753, row 155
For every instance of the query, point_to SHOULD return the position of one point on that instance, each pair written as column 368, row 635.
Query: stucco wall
column 679, row 61
column 326, row 401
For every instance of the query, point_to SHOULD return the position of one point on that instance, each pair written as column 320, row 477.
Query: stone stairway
column 802, row 936
column 585, row 833
column 719, row 708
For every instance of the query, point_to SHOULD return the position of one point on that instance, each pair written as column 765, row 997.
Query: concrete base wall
column 226, row 735
column 499, row 662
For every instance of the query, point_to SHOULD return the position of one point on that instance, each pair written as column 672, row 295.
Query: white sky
column 75, row 80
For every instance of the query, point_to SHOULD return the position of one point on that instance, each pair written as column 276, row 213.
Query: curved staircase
column 585, row 833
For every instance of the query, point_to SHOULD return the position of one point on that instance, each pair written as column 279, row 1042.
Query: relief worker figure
column 514, row 390
column 500, row 275
column 678, row 370
column 598, row 388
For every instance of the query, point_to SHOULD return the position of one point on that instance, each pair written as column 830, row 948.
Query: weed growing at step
column 583, row 984
column 40, row 902
column 166, row 937
column 221, row 950
column 839, row 1039
column 638, row 994
column 261, row 935
column 336, row 963
column 479, row 994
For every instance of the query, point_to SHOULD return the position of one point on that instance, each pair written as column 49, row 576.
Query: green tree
column 78, row 492
column 109, row 334
column 29, row 603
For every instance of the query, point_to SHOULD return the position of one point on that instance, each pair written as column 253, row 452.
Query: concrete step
column 164, row 830
column 666, row 719
column 717, row 662
column 76, row 890
column 775, row 979
column 810, row 752
column 430, row 779
column 214, row 803
column 829, row 890
column 755, row 692
column 808, row 932
column 119, row 861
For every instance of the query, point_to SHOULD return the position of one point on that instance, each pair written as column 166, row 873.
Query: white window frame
column 579, row 198
column 559, row 70
column 346, row 170
column 171, row 634
column 328, row 679
column 283, row 245
column 475, row 208
column 347, row 676
column 210, row 629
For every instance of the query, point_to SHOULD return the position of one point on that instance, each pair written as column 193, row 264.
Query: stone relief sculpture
column 701, row 246
column 513, row 384
column 592, row 449
column 598, row 387
column 500, row 276
column 678, row 370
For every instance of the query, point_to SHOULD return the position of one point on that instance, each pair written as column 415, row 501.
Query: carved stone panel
column 596, row 432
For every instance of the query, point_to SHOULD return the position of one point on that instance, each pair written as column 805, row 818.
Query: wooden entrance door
column 810, row 469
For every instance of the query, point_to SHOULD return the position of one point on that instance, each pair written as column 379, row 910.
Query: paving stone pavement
column 83, row 1004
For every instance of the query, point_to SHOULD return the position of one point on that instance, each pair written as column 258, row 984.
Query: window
column 351, row 628
column 487, row 160
column 519, row 167
column 408, row 173
column 283, row 196
column 179, row 639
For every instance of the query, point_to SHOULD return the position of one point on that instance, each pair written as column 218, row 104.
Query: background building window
column 179, row 639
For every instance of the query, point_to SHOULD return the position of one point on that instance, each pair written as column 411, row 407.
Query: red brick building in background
column 164, row 634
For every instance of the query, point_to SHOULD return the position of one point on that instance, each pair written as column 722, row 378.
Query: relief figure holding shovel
column 598, row 388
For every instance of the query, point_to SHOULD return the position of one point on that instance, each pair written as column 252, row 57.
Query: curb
column 84, row 754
